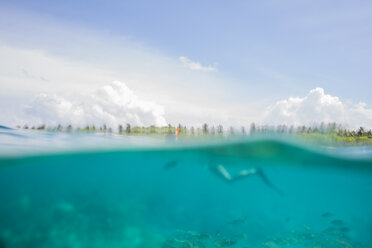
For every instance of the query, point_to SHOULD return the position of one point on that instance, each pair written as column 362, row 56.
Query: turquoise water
column 107, row 190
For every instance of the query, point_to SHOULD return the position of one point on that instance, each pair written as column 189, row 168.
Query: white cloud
column 57, row 58
column 196, row 65
column 318, row 107
column 26, row 73
column 112, row 105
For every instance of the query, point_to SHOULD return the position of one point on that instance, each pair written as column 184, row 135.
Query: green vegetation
column 330, row 134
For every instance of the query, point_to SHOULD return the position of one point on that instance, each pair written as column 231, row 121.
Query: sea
column 90, row 190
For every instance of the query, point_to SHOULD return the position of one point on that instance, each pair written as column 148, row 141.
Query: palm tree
column 361, row 131
column 152, row 129
column 252, row 130
column 170, row 129
column 128, row 129
column 220, row 129
column 121, row 129
column 69, row 128
column 243, row 130
column 59, row 127
column 42, row 127
column 205, row 128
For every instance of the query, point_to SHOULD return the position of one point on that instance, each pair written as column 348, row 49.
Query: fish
column 327, row 215
column 170, row 164
column 238, row 222
column 337, row 222
column 344, row 229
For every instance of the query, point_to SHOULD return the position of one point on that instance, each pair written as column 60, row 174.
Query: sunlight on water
column 240, row 193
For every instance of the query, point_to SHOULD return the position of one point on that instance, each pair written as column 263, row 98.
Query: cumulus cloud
column 112, row 105
column 196, row 65
column 317, row 107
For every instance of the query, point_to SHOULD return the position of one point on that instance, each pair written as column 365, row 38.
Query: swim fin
column 264, row 178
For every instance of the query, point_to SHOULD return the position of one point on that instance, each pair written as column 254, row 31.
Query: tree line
column 219, row 130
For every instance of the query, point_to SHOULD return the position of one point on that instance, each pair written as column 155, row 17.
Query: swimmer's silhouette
column 221, row 172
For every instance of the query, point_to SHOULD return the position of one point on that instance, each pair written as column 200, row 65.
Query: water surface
column 107, row 190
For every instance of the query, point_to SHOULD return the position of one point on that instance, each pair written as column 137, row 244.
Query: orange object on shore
column 178, row 131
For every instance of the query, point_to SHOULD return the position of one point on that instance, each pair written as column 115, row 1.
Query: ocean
column 60, row 189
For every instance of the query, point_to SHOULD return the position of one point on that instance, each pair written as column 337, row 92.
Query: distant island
column 330, row 133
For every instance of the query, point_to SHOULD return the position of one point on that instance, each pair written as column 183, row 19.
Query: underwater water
column 107, row 190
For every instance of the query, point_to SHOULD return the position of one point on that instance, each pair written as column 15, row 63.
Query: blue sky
column 265, row 51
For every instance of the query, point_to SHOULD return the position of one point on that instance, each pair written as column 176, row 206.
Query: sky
column 189, row 62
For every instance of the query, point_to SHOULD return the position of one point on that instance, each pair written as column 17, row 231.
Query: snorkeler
column 221, row 172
